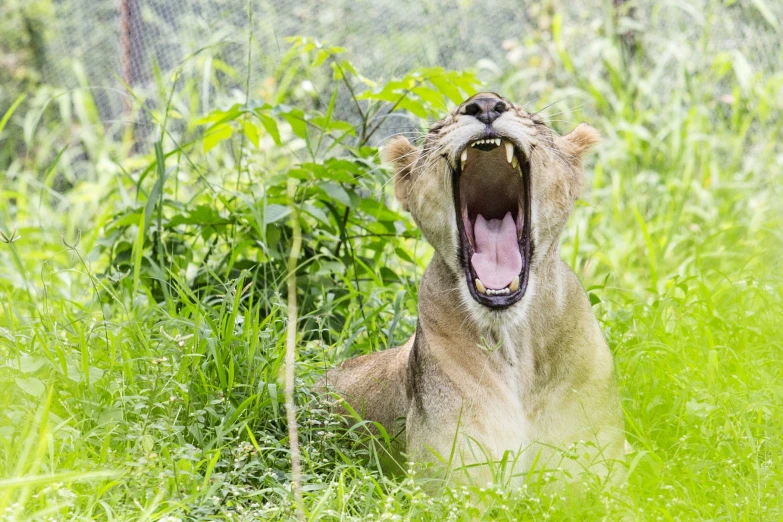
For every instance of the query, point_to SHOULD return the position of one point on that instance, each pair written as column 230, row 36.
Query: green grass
column 142, row 299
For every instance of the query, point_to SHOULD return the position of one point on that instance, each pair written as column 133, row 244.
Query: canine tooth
column 480, row 286
column 515, row 163
column 514, row 286
column 509, row 152
column 464, row 157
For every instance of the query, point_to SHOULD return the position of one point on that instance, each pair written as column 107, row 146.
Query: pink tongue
column 497, row 260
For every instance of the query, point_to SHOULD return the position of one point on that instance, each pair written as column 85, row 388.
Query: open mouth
column 492, row 194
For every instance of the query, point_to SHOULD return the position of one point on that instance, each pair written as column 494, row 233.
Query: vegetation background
column 146, row 225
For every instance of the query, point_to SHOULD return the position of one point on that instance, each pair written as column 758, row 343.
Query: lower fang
column 514, row 162
column 480, row 287
column 514, row 286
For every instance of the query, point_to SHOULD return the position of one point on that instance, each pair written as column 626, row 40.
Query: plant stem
column 290, row 352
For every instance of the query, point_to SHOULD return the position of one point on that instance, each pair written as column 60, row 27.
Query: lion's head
column 491, row 188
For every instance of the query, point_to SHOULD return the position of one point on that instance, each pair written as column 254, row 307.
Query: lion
column 508, row 363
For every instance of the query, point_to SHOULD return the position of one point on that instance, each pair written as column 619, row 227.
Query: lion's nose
column 486, row 110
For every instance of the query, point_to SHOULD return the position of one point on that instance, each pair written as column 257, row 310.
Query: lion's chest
column 500, row 422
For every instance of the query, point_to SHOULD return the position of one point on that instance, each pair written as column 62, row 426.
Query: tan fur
column 475, row 384
column 581, row 139
column 402, row 155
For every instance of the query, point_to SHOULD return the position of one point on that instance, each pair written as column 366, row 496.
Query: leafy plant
column 143, row 297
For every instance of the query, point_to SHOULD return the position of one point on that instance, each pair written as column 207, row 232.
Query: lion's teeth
column 514, row 286
column 464, row 157
column 509, row 152
column 502, row 291
column 514, row 162
column 497, row 142
column 480, row 286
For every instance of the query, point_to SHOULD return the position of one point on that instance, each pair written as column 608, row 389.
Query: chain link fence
column 104, row 43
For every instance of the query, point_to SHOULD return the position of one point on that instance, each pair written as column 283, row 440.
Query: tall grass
column 143, row 300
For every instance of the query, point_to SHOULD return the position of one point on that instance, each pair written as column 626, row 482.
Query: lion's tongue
column 497, row 259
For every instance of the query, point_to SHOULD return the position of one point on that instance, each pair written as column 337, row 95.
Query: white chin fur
column 492, row 320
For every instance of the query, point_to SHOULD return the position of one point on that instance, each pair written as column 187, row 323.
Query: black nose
column 486, row 110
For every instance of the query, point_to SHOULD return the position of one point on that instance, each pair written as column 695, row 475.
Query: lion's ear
column 580, row 140
column 574, row 145
column 402, row 154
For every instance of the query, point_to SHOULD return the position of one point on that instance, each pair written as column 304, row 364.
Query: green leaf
column 297, row 122
column 447, row 89
column 215, row 135
column 337, row 193
column 270, row 125
column 10, row 111
column 320, row 57
column 30, row 364
column 272, row 389
column 157, row 189
column 218, row 116
column 378, row 210
column 31, row 386
column 402, row 254
column 204, row 215
column 317, row 213
column 274, row 213
column 413, row 107
column 251, row 132
column 430, row 96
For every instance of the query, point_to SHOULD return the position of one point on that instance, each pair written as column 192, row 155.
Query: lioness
column 508, row 361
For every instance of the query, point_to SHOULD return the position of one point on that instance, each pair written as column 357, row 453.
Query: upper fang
column 509, row 151
column 464, row 157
